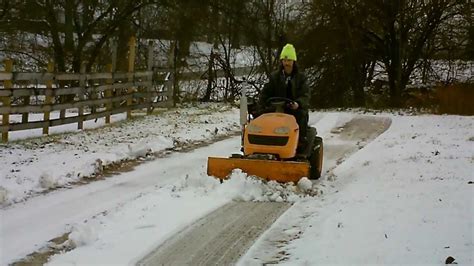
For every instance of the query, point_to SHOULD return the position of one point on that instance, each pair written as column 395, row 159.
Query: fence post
column 113, row 52
column 49, row 97
column 169, row 90
column 131, row 69
column 172, row 86
column 62, row 99
column 108, row 92
column 81, row 96
column 26, row 102
column 93, row 94
column 8, row 84
column 149, row 87
column 175, row 76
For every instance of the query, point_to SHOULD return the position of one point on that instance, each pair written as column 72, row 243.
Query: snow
column 305, row 184
column 82, row 234
column 34, row 165
column 152, row 218
column 404, row 198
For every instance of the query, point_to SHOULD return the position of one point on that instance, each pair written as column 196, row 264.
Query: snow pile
column 304, row 184
column 47, row 182
column 146, row 147
column 82, row 234
column 243, row 187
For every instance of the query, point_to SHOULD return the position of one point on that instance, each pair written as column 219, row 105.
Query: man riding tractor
column 277, row 143
column 287, row 82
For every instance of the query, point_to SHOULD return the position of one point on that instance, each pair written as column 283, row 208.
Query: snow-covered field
column 35, row 165
column 404, row 198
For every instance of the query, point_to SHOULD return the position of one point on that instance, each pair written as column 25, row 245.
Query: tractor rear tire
column 316, row 159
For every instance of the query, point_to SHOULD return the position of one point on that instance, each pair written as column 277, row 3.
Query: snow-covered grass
column 404, row 198
column 34, row 165
column 33, row 133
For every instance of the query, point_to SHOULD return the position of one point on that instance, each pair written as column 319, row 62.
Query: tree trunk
column 54, row 31
column 395, row 67
column 210, row 79
column 358, row 86
column 69, row 28
column 175, row 75
column 124, row 34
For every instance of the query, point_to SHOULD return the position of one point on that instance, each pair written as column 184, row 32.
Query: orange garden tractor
column 269, row 144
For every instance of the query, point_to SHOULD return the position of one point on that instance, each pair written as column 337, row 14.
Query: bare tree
column 335, row 51
column 406, row 27
column 343, row 39
column 263, row 26
column 78, row 29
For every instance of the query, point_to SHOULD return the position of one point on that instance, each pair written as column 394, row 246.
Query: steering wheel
column 278, row 100
column 279, row 103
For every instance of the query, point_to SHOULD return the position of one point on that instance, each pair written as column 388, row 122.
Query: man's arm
column 265, row 94
column 304, row 94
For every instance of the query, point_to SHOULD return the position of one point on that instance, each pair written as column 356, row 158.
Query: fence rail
column 104, row 94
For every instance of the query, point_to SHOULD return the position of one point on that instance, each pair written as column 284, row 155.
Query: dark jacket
column 277, row 86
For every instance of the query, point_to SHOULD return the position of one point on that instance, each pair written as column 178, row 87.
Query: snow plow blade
column 281, row 171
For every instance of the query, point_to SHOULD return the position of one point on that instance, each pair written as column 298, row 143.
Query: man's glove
column 293, row 105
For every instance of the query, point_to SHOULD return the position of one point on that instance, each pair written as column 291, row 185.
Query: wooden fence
column 456, row 98
column 93, row 95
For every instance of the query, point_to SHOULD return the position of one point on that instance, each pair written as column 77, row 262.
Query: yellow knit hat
column 288, row 52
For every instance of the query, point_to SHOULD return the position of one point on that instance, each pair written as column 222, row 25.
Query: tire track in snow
column 219, row 238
